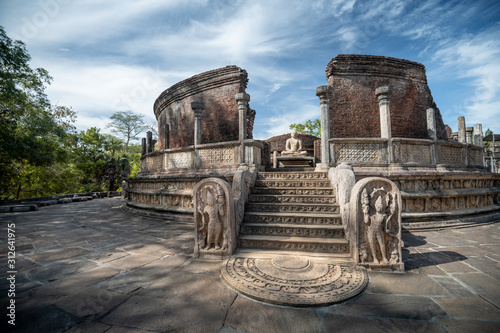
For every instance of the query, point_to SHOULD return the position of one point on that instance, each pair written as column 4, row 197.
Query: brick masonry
column 219, row 122
column 354, row 110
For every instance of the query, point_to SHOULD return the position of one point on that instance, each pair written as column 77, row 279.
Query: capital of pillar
column 198, row 108
column 383, row 94
column 322, row 93
column 242, row 98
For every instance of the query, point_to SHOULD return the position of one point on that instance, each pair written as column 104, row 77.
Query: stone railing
column 204, row 156
column 412, row 152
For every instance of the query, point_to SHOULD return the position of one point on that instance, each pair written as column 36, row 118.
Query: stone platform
column 91, row 267
column 294, row 280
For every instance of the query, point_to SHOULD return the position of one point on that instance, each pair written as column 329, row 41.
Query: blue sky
column 108, row 56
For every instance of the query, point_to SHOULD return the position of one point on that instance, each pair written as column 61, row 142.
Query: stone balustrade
column 212, row 156
column 410, row 152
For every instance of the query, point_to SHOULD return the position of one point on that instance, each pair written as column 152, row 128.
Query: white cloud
column 476, row 59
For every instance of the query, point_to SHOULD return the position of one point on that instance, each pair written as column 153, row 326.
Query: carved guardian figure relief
column 215, row 234
column 375, row 223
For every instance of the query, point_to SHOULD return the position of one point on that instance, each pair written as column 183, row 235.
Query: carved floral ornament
column 375, row 218
column 215, row 234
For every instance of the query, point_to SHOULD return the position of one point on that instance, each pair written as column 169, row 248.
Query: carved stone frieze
column 375, row 223
column 447, row 203
column 412, row 153
column 294, row 281
column 290, row 245
column 262, row 218
column 304, row 208
column 215, row 229
column 292, row 175
column 294, row 199
column 293, row 191
column 292, row 231
column 284, row 183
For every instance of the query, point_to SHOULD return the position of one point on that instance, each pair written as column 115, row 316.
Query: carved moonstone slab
column 375, row 224
column 214, row 220
column 294, row 281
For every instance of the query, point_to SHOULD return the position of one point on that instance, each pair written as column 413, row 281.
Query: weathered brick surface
column 219, row 122
column 354, row 110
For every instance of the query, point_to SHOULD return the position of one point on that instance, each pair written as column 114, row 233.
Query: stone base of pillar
column 322, row 167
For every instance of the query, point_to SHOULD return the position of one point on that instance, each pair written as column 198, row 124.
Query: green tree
column 127, row 125
column 312, row 127
column 32, row 132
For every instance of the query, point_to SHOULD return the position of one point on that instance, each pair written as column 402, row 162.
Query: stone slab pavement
column 91, row 267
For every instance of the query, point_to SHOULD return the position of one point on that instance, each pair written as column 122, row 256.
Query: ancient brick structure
column 354, row 107
column 219, row 117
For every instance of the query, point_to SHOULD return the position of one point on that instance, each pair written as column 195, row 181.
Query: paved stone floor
column 90, row 267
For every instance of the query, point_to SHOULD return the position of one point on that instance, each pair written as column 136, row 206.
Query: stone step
column 292, row 175
column 293, row 190
column 293, row 218
column 310, row 244
column 292, row 207
column 295, row 230
column 326, row 199
column 292, row 183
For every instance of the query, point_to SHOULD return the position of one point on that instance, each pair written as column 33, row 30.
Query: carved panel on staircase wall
column 375, row 207
column 215, row 230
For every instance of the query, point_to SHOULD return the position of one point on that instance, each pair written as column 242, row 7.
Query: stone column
column 198, row 110
column 242, row 99
column 324, row 105
column 468, row 134
column 149, row 142
column 431, row 130
column 166, row 137
column 461, row 129
column 143, row 147
column 431, row 124
column 478, row 135
column 385, row 118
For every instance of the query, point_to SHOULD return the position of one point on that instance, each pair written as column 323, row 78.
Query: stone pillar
column 461, row 129
column 143, row 147
column 385, row 118
column 198, row 110
column 478, row 135
column 468, row 134
column 166, row 137
column 431, row 130
column 149, row 142
column 431, row 124
column 324, row 104
column 242, row 99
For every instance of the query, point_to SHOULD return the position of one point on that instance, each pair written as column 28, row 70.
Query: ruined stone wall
column 354, row 108
column 219, row 121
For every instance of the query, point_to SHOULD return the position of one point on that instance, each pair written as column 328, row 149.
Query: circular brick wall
column 354, row 110
column 219, row 121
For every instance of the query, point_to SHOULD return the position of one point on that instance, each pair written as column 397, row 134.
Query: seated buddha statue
column 293, row 145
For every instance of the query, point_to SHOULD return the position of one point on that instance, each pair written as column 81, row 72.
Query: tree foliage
column 40, row 152
column 312, row 127
column 127, row 125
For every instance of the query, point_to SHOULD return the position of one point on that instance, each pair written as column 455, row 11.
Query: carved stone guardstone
column 243, row 181
column 343, row 180
column 375, row 224
column 215, row 229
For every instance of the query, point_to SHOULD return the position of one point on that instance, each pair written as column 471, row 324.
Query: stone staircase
column 294, row 211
